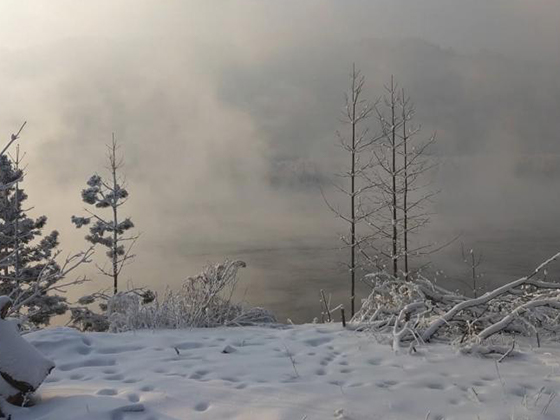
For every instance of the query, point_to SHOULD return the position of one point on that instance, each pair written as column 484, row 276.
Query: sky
column 227, row 114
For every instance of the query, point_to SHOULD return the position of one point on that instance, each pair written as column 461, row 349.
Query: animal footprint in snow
column 198, row 374
column 133, row 398
column 107, row 391
column 340, row 415
column 202, row 406
column 386, row 383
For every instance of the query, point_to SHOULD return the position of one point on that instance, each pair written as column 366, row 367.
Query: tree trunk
column 115, row 217
column 405, row 192
column 394, row 180
column 353, row 200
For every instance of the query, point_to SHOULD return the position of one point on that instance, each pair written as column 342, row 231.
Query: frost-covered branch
column 422, row 311
column 507, row 320
column 482, row 300
column 13, row 138
column 48, row 281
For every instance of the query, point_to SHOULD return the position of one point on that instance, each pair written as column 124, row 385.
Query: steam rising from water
column 227, row 116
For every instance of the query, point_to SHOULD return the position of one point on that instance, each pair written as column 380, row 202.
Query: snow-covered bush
column 85, row 319
column 420, row 311
column 112, row 308
column 203, row 301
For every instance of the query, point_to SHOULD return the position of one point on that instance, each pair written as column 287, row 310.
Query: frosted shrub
column 203, row 301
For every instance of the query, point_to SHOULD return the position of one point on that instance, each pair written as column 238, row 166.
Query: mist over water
column 227, row 115
column 288, row 279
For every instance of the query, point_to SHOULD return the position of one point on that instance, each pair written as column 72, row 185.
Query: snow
column 316, row 372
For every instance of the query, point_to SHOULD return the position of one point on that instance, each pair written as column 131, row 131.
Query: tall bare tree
column 110, row 193
column 355, row 143
column 383, row 176
column 417, row 163
column 400, row 182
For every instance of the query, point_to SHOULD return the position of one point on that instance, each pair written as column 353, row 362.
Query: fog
column 227, row 115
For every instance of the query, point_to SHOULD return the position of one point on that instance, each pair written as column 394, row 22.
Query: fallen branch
column 484, row 299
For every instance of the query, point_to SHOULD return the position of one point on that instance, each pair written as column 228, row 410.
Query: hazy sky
column 227, row 112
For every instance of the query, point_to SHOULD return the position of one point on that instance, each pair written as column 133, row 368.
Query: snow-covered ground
column 313, row 372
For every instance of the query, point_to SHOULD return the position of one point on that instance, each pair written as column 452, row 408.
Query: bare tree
column 473, row 261
column 358, row 141
column 384, row 177
column 416, row 194
column 399, row 179
column 109, row 232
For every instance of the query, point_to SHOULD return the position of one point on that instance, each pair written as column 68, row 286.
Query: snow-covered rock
column 22, row 367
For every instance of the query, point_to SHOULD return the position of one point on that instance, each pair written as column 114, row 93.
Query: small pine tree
column 111, row 233
column 26, row 256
